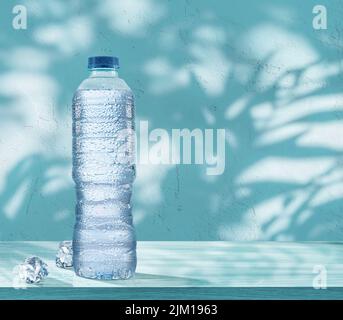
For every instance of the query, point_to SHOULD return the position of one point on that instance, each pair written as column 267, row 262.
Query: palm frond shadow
column 191, row 206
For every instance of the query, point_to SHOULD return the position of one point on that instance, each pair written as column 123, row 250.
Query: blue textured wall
column 257, row 68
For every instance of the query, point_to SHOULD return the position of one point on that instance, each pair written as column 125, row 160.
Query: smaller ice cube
column 64, row 256
column 32, row 270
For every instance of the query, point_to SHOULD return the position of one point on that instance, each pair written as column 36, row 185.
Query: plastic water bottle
column 104, row 244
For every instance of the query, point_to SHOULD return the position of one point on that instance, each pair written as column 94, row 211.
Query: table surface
column 189, row 270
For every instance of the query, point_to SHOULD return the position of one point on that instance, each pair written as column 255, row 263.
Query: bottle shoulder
column 103, row 83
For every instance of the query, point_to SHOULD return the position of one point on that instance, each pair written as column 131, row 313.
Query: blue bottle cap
column 103, row 62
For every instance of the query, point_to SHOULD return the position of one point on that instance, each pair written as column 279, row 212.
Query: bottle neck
column 103, row 73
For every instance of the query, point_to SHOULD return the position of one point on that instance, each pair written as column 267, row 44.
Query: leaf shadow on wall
column 271, row 82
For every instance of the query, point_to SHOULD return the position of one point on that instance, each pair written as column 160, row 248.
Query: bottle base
column 120, row 274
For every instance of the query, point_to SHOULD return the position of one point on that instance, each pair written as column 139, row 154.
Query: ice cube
column 64, row 256
column 32, row 270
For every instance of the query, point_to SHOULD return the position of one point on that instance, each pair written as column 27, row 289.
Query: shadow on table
column 140, row 280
